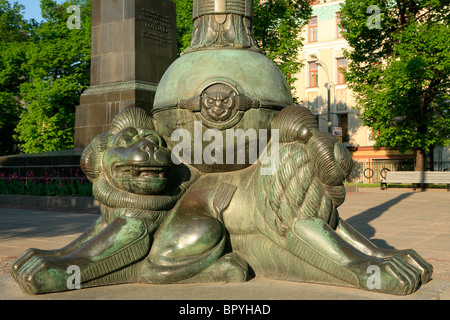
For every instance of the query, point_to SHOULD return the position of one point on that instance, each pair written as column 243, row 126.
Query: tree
column 277, row 27
column 13, row 26
column 14, row 31
column 399, row 68
column 57, row 69
column 184, row 24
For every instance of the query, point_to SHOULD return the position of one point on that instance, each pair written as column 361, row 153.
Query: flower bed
column 58, row 183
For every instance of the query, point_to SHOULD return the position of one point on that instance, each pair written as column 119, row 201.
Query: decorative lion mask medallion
column 219, row 105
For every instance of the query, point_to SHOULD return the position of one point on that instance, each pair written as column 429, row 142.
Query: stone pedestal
column 133, row 43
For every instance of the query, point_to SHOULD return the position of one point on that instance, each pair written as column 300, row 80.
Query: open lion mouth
column 135, row 171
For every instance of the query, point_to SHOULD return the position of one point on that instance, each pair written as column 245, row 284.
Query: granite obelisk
column 133, row 43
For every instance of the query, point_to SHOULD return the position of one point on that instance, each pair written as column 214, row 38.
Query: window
column 312, row 29
column 339, row 29
column 341, row 69
column 313, row 74
column 343, row 123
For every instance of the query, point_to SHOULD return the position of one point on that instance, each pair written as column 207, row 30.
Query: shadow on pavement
column 361, row 221
column 19, row 222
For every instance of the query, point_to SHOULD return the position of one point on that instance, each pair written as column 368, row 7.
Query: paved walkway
column 395, row 218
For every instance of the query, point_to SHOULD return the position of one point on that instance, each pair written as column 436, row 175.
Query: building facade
column 322, row 87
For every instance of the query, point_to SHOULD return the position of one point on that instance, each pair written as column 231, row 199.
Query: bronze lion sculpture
column 137, row 187
column 165, row 223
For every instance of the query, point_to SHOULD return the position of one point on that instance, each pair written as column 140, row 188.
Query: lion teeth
column 148, row 174
column 136, row 171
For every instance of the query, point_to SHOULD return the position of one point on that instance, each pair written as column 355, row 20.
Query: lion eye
column 152, row 136
column 127, row 137
column 153, row 140
column 126, row 141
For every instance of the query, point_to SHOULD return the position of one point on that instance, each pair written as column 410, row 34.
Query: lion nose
column 218, row 110
column 148, row 146
column 155, row 151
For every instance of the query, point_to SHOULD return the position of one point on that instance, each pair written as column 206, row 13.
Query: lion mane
column 312, row 169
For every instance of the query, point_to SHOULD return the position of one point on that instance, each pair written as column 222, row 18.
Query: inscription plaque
column 156, row 28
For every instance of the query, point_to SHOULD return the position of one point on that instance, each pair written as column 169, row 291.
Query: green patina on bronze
column 163, row 222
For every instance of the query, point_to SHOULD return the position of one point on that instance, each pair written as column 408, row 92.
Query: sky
column 32, row 8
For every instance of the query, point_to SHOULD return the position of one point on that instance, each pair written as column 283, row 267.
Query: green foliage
column 184, row 24
column 401, row 71
column 48, row 123
column 13, row 27
column 14, row 30
column 58, row 65
column 277, row 27
column 43, row 72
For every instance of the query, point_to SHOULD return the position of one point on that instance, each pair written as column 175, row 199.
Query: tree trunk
column 431, row 159
column 420, row 160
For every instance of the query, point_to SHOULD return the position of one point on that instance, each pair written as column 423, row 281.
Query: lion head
column 137, row 161
column 130, row 165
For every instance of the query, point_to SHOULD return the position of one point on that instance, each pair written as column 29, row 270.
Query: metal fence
column 442, row 166
column 374, row 171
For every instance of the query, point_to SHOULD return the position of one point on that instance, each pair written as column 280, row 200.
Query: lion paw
column 24, row 258
column 228, row 268
column 417, row 262
column 391, row 275
column 42, row 275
